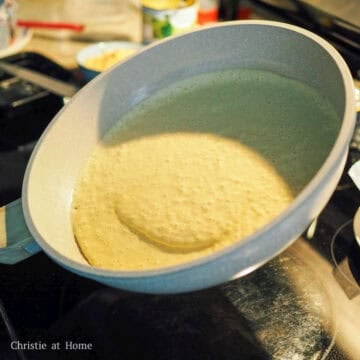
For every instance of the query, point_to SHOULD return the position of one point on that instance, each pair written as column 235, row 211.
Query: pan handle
column 16, row 242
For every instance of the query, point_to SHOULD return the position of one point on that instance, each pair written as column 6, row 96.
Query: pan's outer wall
column 67, row 142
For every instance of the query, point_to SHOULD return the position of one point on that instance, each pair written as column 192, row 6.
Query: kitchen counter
column 110, row 20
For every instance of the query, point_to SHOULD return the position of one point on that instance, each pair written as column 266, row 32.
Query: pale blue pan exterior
column 70, row 138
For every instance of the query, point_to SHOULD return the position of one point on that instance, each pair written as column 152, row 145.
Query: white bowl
column 98, row 49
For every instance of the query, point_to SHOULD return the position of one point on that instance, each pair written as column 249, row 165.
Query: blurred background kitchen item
column 166, row 18
column 102, row 20
column 12, row 37
column 98, row 57
column 7, row 22
column 208, row 11
column 75, row 24
column 25, row 110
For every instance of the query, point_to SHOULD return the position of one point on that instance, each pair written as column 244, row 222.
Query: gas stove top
column 304, row 304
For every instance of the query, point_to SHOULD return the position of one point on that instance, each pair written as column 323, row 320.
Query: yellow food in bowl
column 107, row 59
